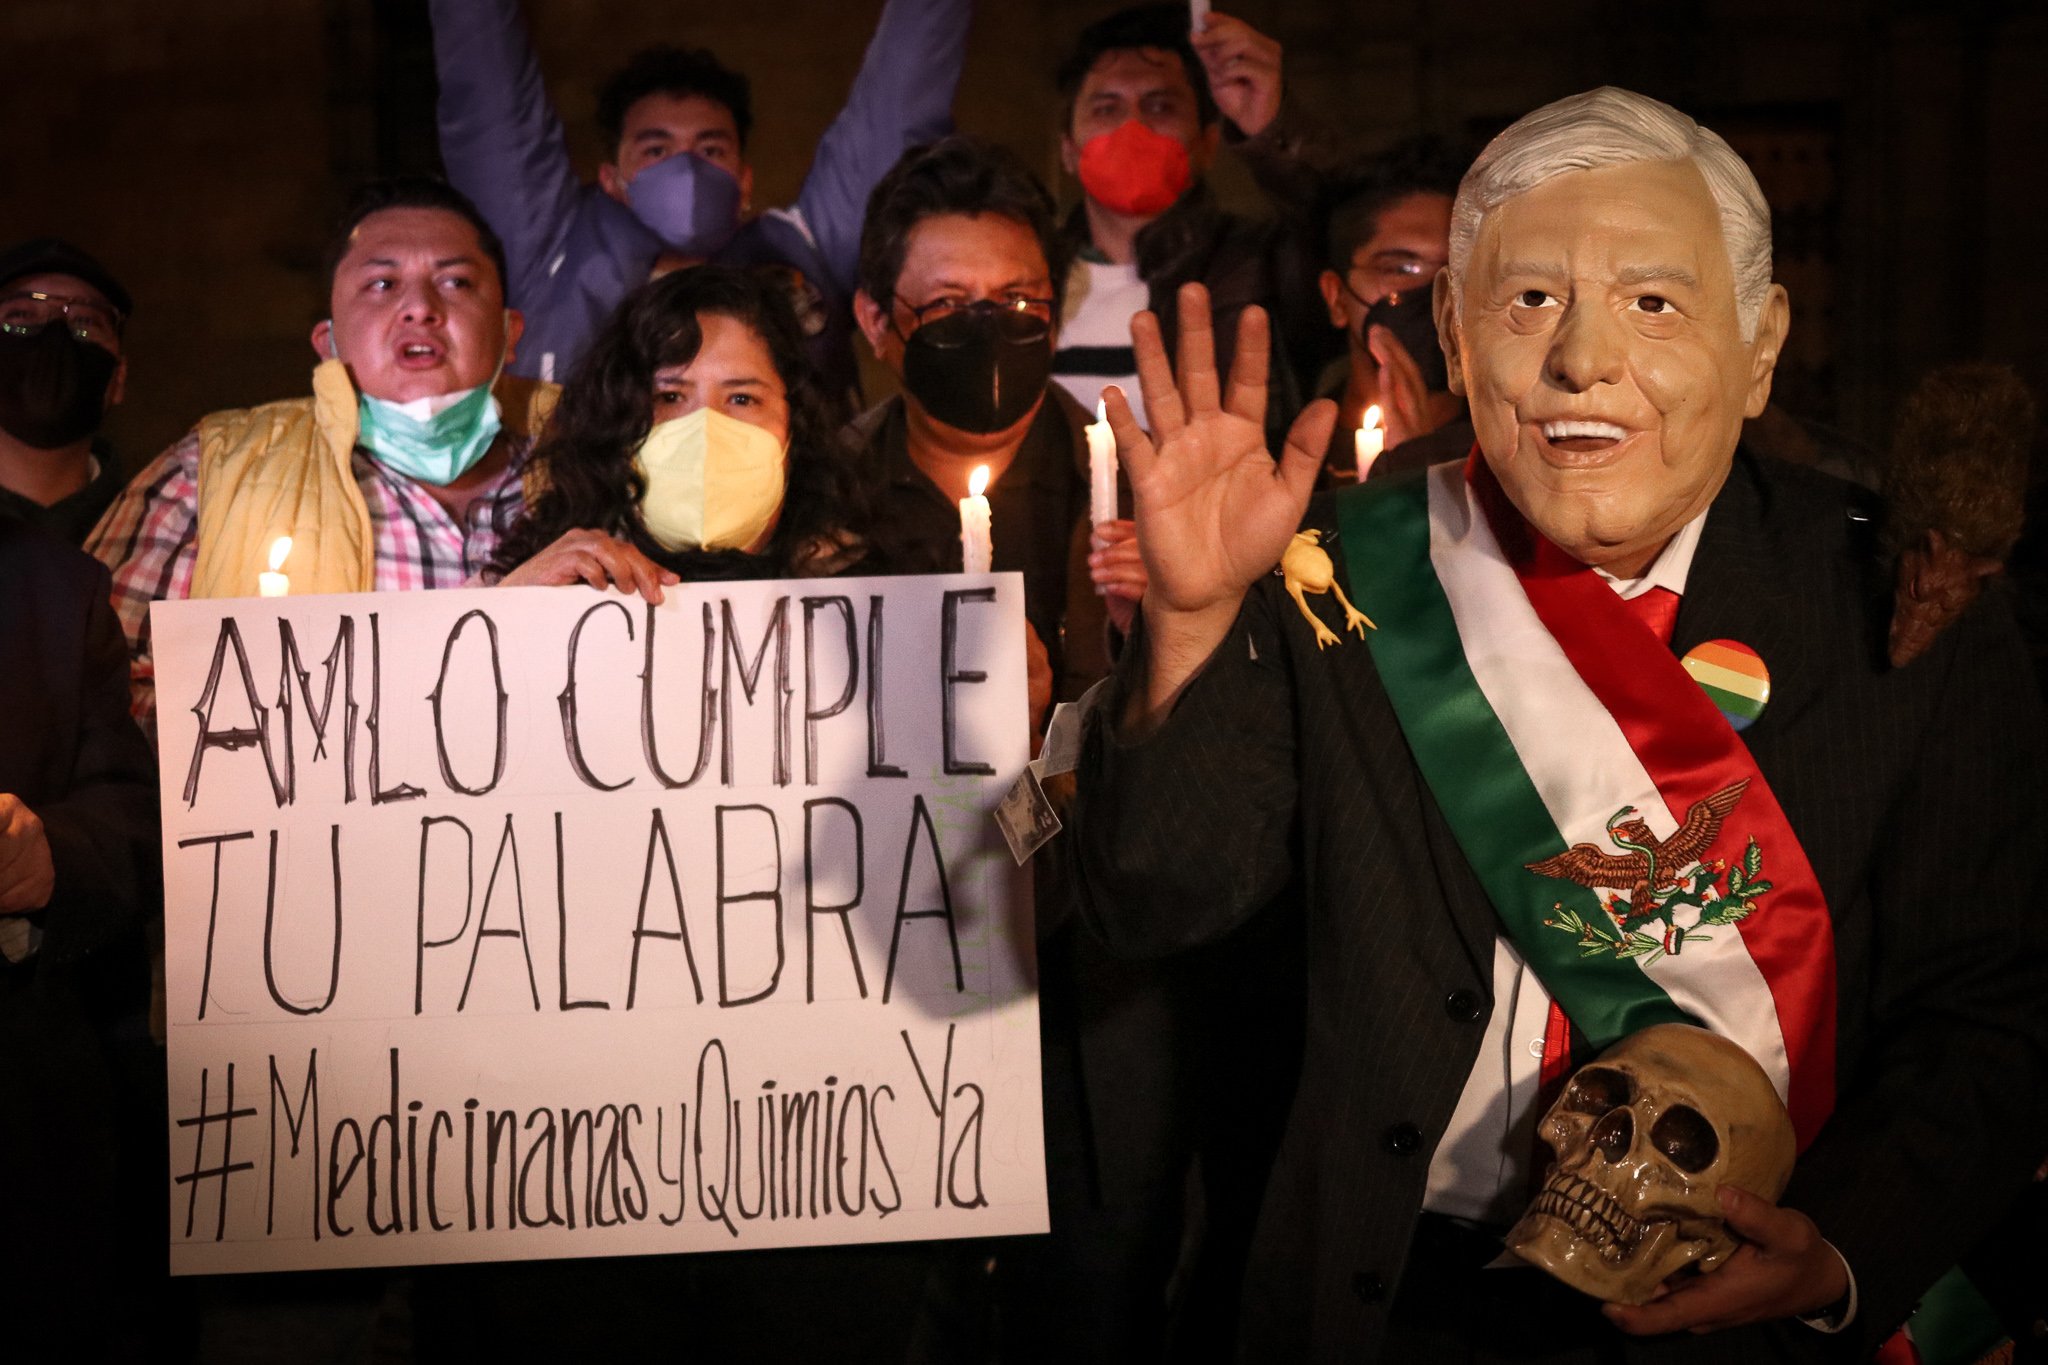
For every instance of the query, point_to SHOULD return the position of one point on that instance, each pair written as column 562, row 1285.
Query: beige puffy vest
column 283, row 469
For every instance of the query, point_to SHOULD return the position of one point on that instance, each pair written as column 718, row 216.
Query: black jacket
column 69, row 749
column 1916, row 793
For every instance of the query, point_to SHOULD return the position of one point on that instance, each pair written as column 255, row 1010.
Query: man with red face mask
column 1147, row 106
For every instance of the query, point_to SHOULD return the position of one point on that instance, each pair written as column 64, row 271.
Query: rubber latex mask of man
column 1596, row 333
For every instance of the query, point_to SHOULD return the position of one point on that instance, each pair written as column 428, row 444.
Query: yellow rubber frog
column 1306, row 568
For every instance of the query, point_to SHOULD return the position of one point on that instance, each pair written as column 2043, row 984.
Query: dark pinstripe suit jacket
column 1916, row 792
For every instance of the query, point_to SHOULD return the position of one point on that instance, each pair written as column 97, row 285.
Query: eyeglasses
column 1405, row 277
column 1021, row 319
column 88, row 319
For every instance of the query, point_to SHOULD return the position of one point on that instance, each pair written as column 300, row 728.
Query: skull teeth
column 1588, row 1210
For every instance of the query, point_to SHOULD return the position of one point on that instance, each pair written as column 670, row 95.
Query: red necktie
column 1657, row 609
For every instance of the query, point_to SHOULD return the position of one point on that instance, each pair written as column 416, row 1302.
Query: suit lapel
column 1740, row 588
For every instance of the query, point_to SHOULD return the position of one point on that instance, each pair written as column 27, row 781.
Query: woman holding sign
column 694, row 443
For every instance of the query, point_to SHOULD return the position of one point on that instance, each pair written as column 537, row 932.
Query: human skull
column 1644, row 1137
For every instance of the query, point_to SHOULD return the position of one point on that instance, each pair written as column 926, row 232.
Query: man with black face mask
column 958, row 298
column 61, row 368
column 1389, row 233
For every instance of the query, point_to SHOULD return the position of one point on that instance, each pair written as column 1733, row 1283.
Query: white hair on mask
column 1615, row 127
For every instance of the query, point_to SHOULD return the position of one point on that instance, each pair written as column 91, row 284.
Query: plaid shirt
column 149, row 539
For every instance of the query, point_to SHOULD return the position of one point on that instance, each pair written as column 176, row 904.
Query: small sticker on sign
column 1026, row 817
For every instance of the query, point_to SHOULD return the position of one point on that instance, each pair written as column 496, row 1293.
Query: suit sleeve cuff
column 1837, row 1316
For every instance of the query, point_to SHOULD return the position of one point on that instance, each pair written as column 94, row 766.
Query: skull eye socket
column 1597, row 1089
column 1684, row 1136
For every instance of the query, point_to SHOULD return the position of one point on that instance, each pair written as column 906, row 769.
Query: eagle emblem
column 1662, row 879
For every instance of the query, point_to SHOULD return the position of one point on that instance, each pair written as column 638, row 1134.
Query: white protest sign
column 537, row 922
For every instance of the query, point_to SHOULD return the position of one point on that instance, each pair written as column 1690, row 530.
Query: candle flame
column 279, row 548
column 1372, row 418
column 977, row 483
column 1101, row 411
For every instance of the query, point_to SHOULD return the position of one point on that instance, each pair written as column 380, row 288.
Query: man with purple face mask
column 1147, row 106
column 676, row 188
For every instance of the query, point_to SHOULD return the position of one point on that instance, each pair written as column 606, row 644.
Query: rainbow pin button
column 1733, row 677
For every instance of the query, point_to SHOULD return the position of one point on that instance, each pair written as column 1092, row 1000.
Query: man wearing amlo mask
column 1860, row 853
column 61, row 368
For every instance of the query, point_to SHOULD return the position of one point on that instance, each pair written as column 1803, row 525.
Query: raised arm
column 1186, row 791
column 500, row 139
column 903, row 97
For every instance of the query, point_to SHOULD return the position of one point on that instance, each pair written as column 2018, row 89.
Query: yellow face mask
column 713, row 482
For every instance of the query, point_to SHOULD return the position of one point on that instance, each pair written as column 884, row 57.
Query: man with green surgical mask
column 400, row 471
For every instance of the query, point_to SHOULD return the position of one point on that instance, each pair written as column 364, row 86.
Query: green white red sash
column 1540, row 710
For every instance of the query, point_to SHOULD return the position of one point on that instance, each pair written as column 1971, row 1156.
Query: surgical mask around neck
column 713, row 482
column 436, row 439
column 691, row 204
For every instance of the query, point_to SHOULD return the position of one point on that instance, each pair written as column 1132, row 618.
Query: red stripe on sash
column 1690, row 751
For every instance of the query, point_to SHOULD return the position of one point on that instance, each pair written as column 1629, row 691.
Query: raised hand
column 1214, row 510
column 1243, row 66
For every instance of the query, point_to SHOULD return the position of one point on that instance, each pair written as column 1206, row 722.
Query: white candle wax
column 977, row 546
column 1101, row 468
column 1371, row 439
column 274, row 583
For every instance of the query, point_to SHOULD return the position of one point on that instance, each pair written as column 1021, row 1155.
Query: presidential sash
column 1633, row 850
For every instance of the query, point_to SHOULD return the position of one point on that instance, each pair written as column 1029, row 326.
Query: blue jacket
column 573, row 251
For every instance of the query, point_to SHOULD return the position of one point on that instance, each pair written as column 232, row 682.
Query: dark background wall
column 202, row 146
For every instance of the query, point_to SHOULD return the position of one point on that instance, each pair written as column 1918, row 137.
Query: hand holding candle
column 274, row 583
column 1372, row 439
column 977, row 546
column 1101, row 468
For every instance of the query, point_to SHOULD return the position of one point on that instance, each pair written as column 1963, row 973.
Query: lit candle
column 1101, row 467
column 275, row 584
column 1372, row 439
column 977, row 547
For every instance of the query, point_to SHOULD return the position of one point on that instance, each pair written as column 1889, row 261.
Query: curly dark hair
column 607, row 409
column 678, row 71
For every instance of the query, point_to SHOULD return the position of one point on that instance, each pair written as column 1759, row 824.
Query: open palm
column 1214, row 510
